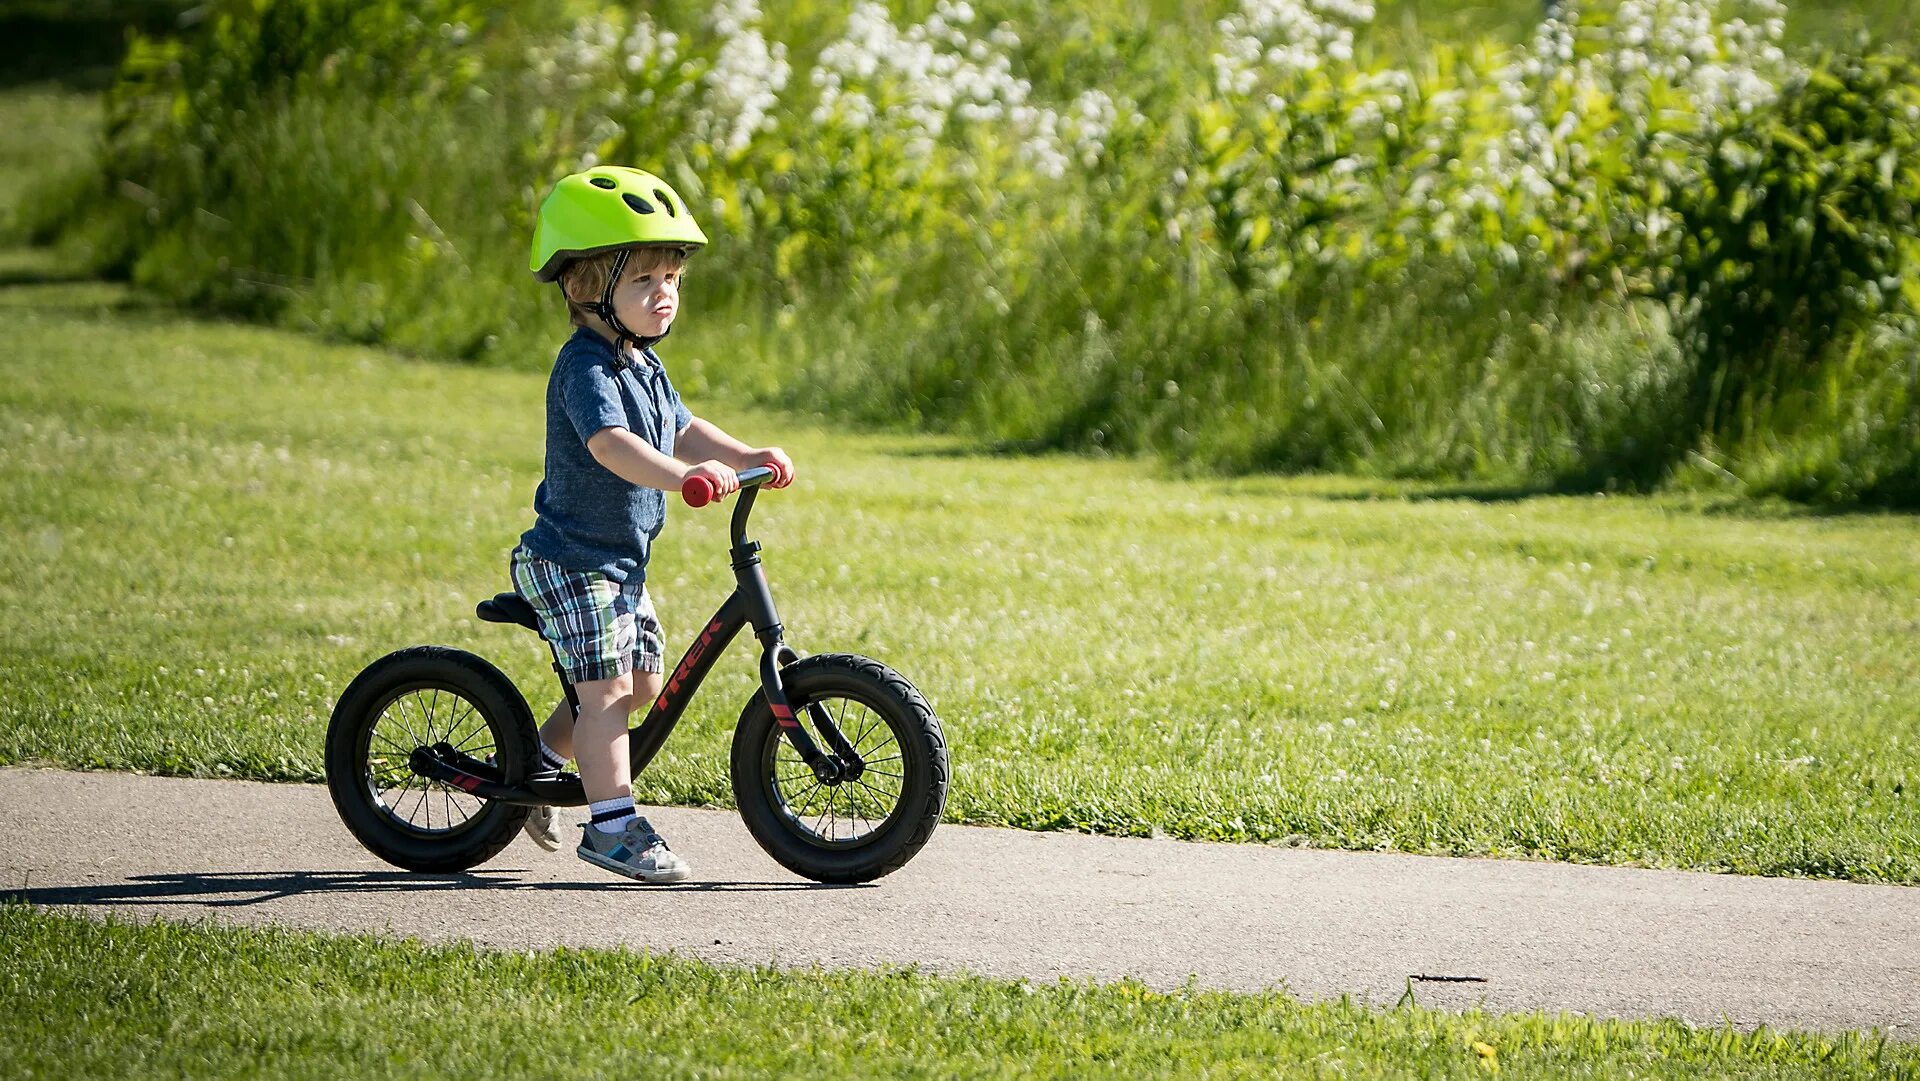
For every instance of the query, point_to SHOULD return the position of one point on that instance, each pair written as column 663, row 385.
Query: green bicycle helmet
column 604, row 208
column 610, row 208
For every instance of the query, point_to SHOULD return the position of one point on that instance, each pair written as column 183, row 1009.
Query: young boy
column 618, row 438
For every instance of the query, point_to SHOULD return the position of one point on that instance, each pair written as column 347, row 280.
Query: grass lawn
column 114, row 999
column 212, row 527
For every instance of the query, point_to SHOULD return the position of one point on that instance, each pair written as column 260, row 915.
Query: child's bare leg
column 557, row 733
column 617, row 838
column 600, row 736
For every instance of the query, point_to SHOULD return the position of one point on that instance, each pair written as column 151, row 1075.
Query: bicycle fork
column 844, row 764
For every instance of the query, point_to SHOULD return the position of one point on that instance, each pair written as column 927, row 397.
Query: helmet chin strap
column 603, row 308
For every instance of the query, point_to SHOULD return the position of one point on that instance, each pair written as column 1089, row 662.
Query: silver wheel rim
column 850, row 813
column 420, row 717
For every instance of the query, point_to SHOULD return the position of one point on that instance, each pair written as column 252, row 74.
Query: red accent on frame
column 784, row 715
column 471, row 784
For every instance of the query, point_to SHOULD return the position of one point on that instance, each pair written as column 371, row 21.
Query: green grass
column 213, row 527
column 114, row 999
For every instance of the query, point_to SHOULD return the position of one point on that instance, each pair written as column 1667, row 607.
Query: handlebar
column 698, row 491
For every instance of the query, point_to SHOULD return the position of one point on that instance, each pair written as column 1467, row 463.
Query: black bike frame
column 750, row 603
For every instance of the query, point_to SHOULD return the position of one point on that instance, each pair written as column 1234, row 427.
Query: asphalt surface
column 1504, row 935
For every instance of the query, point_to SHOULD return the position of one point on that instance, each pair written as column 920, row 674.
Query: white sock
column 548, row 759
column 612, row 815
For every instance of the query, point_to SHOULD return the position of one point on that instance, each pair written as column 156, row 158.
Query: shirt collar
column 622, row 356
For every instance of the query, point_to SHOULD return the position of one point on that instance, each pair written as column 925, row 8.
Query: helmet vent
column 666, row 202
column 639, row 205
column 603, row 182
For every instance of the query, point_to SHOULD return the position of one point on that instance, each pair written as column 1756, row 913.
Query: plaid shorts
column 601, row 627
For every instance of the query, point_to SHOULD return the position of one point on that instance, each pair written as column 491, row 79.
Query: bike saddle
column 508, row 608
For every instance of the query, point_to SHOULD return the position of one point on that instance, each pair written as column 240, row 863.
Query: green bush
column 1797, row 242
column 1586, row 261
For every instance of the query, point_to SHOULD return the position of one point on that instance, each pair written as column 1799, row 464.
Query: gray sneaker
column 637, row 852
column 544, row 827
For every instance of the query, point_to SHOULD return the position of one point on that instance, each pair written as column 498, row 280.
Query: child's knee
column 647, row 685
column 603, row 696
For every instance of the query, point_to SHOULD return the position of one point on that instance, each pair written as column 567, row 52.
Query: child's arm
column 635, row 461
column 703, row 440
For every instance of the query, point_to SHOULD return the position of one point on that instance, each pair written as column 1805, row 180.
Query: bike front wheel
column 858, row 828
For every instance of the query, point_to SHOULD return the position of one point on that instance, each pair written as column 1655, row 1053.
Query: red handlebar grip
column 697, row 491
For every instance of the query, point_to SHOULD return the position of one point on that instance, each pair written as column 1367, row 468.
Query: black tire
column 769, row 790
column 419, row 696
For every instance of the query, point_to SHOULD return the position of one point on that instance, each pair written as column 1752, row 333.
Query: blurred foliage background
column 1627, row 245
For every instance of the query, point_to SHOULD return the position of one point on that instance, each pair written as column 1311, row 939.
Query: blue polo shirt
column 589, row 519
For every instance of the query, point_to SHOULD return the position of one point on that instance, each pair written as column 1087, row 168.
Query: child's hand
column 775, row 459
column 724, row 480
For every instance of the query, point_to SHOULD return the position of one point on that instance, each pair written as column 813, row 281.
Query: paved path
column 1503, row 934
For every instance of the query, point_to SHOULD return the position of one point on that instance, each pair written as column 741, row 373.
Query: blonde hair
column 585, row 280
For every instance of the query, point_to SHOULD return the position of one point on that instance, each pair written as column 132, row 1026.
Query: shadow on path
column 258, row 887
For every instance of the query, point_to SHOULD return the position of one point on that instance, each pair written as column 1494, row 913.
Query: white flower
column 933, row 74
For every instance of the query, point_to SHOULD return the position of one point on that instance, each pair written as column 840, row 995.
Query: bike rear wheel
column 415, row 698
column 860, row 828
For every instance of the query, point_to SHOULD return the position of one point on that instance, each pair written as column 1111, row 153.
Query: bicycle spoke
column 455, row 802
column 858, row 809
column 883, row 806
column 407, row 712
column 396, row 713
column 406, row 790
column 883, row 797
column 397, row 748
column 475, row 752
column 420, row 710
column 797, row 801
column 822, row 791
column 861, row 739
column 478, row 730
